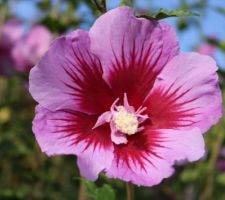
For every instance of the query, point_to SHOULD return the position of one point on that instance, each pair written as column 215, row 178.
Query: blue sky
column 212, row 23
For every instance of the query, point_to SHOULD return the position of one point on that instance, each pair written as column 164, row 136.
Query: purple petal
column 186, row 94
column 132, row 50
column 149, row 176
column 64, row 132
column 149, row 157
column 103, row 118
column 182, row 145
column 70, row 77
column 116, row 136
column 94, row 160
column 48, row 129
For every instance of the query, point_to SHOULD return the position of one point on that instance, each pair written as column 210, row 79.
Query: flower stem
column 209, row 187
column 130, row 191
column 103, row 2
column 82, row 191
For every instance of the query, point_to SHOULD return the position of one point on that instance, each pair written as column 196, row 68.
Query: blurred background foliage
column 26, row 173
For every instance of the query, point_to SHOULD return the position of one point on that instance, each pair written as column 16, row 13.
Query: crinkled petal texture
column 66, row 132
column 70, row 77
column 83, row 73
column 132, row 50
column 186, row 94
column 148, row 157
column 66, row 81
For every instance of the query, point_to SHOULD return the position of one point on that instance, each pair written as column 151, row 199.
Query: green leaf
column 162, row 14
column 126, row 3
column 221, row 179
column 99, row 193
column 105, row 192
column 91, row 188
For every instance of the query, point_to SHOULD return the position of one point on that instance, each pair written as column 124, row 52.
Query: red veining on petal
column 78, row 127
column 134, row 73
column 167, row 111
column 140, row 149
column 88, row 87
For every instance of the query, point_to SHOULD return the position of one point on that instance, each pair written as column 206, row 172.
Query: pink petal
column 181, row 145
column 70, row 77
column 64, row 132
column 50, row 136
column 94, row 160
column 102, row 119
column 132, row 50
column 134, row 173
column 186, row 94
column 148, row 157
column 116, row 136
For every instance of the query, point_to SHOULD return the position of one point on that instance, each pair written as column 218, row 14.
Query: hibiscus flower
column 123, row 99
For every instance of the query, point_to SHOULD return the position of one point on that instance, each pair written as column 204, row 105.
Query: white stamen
column 125, row 122
column 123, row 119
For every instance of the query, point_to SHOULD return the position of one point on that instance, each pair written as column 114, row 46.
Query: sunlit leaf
column 162, row 14
column 221, row 179
column 91, row 188
column 126, row 3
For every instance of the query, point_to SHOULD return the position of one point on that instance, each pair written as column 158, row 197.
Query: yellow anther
column 125, row 122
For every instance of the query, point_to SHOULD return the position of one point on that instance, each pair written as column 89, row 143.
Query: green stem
column 130, row 191
column 100, row 7
column 103, row 2
column 82, row 191
column 208, row 190
column 217, row 144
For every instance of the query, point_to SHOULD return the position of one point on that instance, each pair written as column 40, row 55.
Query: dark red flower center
column 123, row 120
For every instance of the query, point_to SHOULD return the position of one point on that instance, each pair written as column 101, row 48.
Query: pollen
column 125, row 121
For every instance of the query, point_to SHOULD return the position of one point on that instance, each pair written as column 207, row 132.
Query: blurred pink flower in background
column 207, row 49
column 124, row 100
column 10, row 32
column 29, row 48
column 21, row 50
